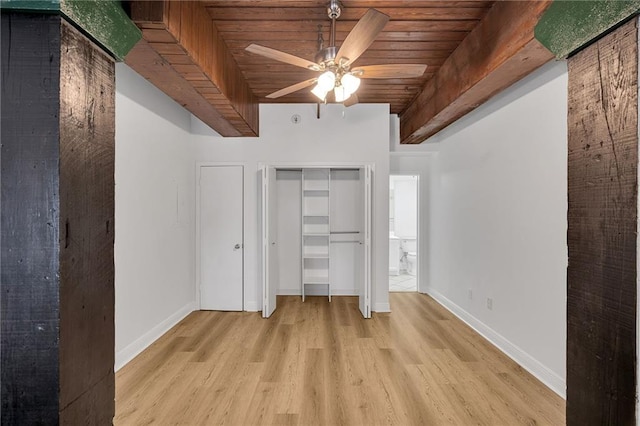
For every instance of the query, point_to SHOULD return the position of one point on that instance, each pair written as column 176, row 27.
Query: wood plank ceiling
column 179, row 36
column 419, row 32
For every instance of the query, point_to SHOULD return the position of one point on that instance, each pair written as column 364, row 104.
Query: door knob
column 236, row 247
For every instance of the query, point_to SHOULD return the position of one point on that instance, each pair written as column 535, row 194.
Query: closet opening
column 403, row 233
column 316, row 228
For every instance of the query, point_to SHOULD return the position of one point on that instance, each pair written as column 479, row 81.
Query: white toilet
column 410, row 248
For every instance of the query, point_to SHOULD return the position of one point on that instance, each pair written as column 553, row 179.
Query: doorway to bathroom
column 403, row 232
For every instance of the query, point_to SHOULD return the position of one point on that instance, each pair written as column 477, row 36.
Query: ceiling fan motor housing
column 326, row 56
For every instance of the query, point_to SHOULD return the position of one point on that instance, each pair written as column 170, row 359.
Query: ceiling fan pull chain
column 320, row 38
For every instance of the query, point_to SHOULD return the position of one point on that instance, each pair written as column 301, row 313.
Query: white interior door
column 221, row 238
column 364, row 284
column 269, row 235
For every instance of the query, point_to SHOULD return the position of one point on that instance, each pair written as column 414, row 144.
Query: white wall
column 405, row 206
column 494, row 216
column 155, row 204
column 359, row 134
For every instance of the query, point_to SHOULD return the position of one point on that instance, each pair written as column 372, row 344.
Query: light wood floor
column 316, row 363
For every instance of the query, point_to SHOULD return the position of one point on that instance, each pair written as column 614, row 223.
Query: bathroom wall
column 405, row 206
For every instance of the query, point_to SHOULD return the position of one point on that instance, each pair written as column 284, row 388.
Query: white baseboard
column 317, row 292
column 382, row 307
column 251, row 306
column 289, row 292
column 532, row 365
column 131, row 351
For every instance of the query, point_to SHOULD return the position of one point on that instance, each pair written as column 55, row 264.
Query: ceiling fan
column 334, row 64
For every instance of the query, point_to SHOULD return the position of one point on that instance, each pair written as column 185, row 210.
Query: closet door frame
column 420, row 244
column 369, row 273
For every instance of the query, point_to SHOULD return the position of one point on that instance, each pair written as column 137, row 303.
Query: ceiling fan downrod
column 333, row 11
column 327, row 55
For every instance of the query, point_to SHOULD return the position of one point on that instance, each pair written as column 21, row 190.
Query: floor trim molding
column 532, row 365
column 382, row 307
column 317, row 292
column 124, row 356
column 251, row 307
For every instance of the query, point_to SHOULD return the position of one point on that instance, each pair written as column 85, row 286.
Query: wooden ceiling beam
column 189, row 52
column 298, row 46
column 238, row 29
column 347, row 3
column 496, row 54
column 244, row 57
column 354, row 13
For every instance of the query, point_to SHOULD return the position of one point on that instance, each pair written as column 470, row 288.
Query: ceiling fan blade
column 389, row 71
column 293, row 88
column 352, row 100
column 281, row 56
column 361, row 36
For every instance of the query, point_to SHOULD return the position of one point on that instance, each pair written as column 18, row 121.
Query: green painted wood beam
column 104, row 21
column 569, row 25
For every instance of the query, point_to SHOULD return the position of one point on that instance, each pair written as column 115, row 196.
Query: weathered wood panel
column 602, row 222
column 58, row 124
column 103, row 21
column 87, row 155
column 30, row 282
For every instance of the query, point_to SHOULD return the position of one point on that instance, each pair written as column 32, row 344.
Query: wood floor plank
column 313, row 403
column 320, row 363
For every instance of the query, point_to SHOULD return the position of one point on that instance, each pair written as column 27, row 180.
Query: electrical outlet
column 470, row 294
column 489, row 303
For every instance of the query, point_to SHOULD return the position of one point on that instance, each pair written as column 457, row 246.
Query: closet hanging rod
column 344, row 232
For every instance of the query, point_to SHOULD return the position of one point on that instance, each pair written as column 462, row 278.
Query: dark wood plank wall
column 87, row 155
column 602, row 222
column 30, row 215
column 58, row 124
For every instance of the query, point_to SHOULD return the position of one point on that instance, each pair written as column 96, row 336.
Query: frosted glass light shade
column 350, row 83
column 319, row 92
column 327, row 80
column 341, row 94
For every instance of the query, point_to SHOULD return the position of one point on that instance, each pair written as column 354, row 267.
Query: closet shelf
column 316, row 280
column 316, row 225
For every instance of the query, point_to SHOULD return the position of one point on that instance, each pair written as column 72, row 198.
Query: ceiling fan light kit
column 350, row 83
column 335, row 65
column 342, row 87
